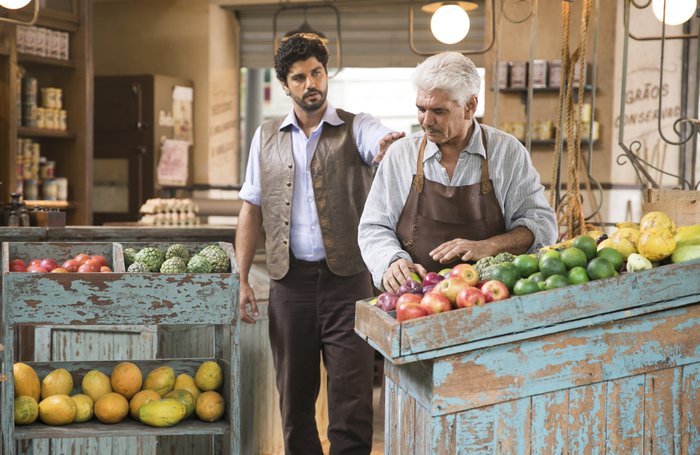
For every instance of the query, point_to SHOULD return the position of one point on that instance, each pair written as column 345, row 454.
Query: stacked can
column 29, row 101
column 51, row 116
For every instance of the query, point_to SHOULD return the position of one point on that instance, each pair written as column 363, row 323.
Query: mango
column 163, row 413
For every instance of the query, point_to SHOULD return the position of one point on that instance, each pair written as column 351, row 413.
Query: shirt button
column 289, row 166
column 287, row 203
column 313, row 228
column 289, row 184
column 286, row 223
column 284, row 242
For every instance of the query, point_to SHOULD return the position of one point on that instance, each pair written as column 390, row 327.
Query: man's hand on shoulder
column 400, row 271
column 384, row 144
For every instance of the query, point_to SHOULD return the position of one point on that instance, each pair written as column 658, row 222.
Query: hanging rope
column 570, row 213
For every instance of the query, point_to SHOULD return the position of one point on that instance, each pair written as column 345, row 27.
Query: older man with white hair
column 455, row 191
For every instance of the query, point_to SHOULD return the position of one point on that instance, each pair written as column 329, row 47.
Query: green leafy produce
column 484, row 263
column 129, row 256
column 218, row 258
column 173, row 265
column 138, row 267
column 153, row 258
column 199, row 264
column 178, row 250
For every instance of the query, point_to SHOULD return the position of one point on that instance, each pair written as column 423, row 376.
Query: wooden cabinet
column 70, row 150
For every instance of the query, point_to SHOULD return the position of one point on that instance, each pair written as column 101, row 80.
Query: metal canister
column 31, row 190
column 61, row 188
column 554, row 73
column 49, row 190
column 40, row 117
column 518, row 74
column 58, row 98
column 539, row 73
column 50, row 119
column 48, row 97
column 47, row 170
column 63, row 120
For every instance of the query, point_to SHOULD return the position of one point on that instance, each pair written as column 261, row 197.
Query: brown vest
column 435, row 213
column 341, row 181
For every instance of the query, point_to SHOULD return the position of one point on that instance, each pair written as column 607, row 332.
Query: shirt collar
column 474, row 146
column 330, row 117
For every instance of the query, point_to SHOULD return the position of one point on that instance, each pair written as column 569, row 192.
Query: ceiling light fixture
column 677, row 11
column 18, row 4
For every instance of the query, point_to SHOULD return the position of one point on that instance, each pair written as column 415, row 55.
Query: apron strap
column 418, row 182
column 486, row 186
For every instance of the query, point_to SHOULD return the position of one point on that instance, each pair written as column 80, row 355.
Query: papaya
column 111, row 408
column 687, row 235
column 163, row 413
column 26, row 381
column 57, row 409
column 26, row 410
column 686, row 253
column 126, row 379
column 209, row 376
column 162, row 380
column 186, row 398
column 96, row 384
column 141, row 398
column 210, row 406
column 58, row 382
column 186, row 382
column 84, row 407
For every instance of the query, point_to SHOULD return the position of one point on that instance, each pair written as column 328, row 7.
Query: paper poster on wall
column 182, row 113
column 173, row 163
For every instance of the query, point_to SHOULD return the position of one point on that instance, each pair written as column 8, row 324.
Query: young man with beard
column 455, row 191
column 306, row 182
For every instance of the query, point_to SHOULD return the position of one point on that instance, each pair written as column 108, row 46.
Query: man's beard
column 311, row 106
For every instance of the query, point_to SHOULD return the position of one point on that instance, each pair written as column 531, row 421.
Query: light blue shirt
column 305, row 235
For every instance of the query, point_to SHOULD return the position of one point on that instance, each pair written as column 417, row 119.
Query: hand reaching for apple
column 462, row 249
column 400, row 271
column 247, row 298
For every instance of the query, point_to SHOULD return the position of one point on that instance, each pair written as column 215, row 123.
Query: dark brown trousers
column 312, row 310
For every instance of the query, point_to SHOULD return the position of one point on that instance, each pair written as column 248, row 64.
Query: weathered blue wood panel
column 690, row 410
column 662, row 409
column 512, row 421
column 587, row 419
column 549, row 422
column 474, row 432
column 625, row 416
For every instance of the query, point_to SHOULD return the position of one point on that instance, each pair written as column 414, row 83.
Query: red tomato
column 71, row 265
column 81, row 258
column 100, row 260
column 88, row 266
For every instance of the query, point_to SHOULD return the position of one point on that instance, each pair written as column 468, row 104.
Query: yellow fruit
column 26, row 381
column 57, row 409
column 162, row 380
column 141, row 398
column 623, row 245
column 210, row 406
column 209, row 376
column 163, row 413
column 96, row 384
column 111, row 408
column 688, row 235
column 186, row 382
column 84, row 405
column 58, row 382
column 656, row 244
column 26, row 410
column 184, row 397
column 627, row 224
column 604, row 244
column 628, row 233
column 126, row 379
column 657, row 220
column 595, row 235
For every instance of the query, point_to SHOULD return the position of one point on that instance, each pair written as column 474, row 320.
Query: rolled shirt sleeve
column 250, row 191
column 368, row 132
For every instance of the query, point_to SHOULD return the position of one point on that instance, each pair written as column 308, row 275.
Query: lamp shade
column 677, row 11
column 450, row 24
column 14, row 4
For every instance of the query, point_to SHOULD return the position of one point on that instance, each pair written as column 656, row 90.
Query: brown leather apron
column 435, row 213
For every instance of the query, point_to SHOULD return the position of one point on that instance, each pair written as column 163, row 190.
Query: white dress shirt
column 515, row 181
column 305, row 237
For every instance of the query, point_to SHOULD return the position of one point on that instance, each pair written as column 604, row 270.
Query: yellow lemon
column 607, row 243
column 657, row 220
column 628, row 233
column 623, row 245
column 656, row 244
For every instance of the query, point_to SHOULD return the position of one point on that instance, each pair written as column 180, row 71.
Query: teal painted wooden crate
column 611, row 366
column 120, row 298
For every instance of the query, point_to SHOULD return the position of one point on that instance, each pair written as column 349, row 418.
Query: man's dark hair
column 299, row 47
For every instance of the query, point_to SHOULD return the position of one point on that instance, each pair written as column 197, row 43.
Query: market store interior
column 128, row 122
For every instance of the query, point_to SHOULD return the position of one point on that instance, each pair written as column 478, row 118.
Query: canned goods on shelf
column 40, row 117
column 47, row 169
column 63, row 120
column 61, row 188
column 31, row 189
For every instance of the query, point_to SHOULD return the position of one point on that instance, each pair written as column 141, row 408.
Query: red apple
column 450, row 287
column 408, row 307
column 100, row 259
column 470, row 296
column 48, row 263
column 432, row 278
column 467, row 272
column 434, row 303
column 59, row 270
column 428, row 289
column 387, row 301
column 410, row 286
column 34, row 262
column 104, row 268
column 81, row 258
column 17, row 268
column 495, row 290
column 36, row 269
column 88, row 266
column 71, row 265
column 18, row 262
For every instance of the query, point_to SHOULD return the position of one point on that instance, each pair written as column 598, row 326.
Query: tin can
column 61, row 188
column 586, row 112
column 63, row 120
column 58, row 98
column 502, row 71
column 47, row 170
column 31, row 190
column 48, row 99
column 29, row 115
column 554, row 74
column 539, row 73
column 49, row 190
column 50, row 119
column 40, row 117
column 543, row 130
column 518, row 74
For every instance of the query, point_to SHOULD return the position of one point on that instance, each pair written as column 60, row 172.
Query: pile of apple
column 458, row 287
column 80, row 263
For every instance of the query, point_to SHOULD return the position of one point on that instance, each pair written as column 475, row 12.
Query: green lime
column 526, row 265
column 550, row 254
column 578, row 275
column 536, row 277
column 504, row 272
column 524, row 286
column 541, row 285
column 555, row 281
column 574, row 257
column 587, row 245
column 552, row 266
column 600, row 268
column 613, row 256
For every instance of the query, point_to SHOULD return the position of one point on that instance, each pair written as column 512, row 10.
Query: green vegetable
column 152, row 257
column 178, row 250
column 199, row 264
column 138, row 267
column 686, row 253
column 220, row 262
column 173, row 265
column 636, row 262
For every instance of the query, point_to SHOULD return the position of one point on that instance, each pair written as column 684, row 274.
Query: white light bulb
column 677, row 11
column 14, row 4
column 450, row 24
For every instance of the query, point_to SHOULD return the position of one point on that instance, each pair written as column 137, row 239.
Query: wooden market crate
column 608, row 366
column 122, row 299
column 682, row 206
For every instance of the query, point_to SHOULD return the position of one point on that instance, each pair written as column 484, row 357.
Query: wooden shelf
column 31, row 59
column 24, row 131
column 551, row 141
column 587, row 88
column 47, row 204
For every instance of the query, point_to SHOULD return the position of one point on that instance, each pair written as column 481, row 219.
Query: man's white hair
column 449, row 71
